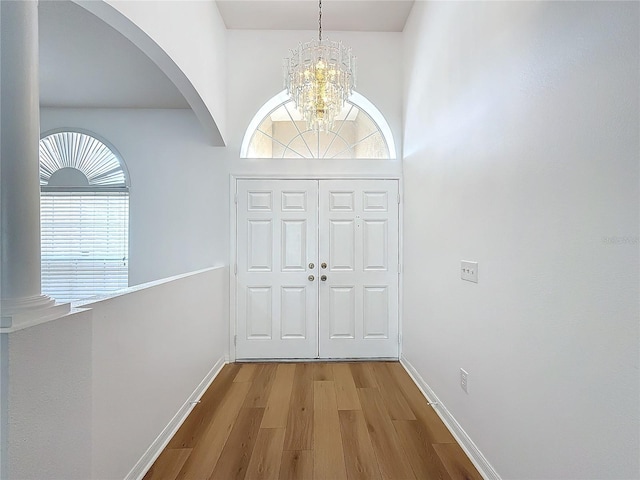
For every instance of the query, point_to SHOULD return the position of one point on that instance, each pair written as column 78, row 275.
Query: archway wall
column 199, row 74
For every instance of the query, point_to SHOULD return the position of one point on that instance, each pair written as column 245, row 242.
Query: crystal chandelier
column 320, row 75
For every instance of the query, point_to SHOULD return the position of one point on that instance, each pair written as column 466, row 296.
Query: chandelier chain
column 320, row 20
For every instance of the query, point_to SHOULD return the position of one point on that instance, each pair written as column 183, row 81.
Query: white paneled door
column 317, row 269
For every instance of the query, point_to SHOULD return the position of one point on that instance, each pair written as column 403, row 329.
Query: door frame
column 233, row 179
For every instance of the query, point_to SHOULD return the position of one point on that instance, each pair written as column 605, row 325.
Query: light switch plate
column 469, row 271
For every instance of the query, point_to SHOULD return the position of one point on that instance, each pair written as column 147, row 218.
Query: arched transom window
column 84, row 217
column 279, row 131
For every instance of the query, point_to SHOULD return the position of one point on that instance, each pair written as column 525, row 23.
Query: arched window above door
column 279, row 131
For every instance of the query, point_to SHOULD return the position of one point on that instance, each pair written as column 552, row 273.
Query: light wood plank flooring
column 313, row 421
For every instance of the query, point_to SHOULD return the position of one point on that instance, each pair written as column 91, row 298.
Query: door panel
column 277, row 305
column 358, row 239
column 283, row 226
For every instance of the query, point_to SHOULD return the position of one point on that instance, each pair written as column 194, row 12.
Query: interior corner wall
column 521, row 152
column 178, row 204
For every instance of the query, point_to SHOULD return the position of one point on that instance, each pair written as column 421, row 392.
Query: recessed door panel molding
column 294, row 245
column 376, row 311
column 317, row 269
column 342, row 311
column 375, row 201
column 294, row 312
column 294, row 201
column 375, row 245
column 342, row 237
column 259, row 245
column 259, row 313
column 260, row 201
column 341, row 201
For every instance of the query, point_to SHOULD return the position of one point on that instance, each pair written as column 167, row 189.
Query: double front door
column 317, row 269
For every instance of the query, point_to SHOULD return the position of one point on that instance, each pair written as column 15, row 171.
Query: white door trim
column 233, row 178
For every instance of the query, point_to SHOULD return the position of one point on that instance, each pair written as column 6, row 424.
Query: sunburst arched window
column 279, row 131
column 84, row 216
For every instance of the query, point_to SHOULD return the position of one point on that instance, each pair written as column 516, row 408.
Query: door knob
column 323, row 265
column 312, row 266
column 323, row 278
column 311, row 278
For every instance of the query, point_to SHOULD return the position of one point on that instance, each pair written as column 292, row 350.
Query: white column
column 21, row 296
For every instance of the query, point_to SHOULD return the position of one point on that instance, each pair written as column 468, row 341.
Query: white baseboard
column 470, row 448
column 153, row 452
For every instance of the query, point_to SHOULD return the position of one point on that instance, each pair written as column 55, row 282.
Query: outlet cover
column 464, row 379
column 469, row 271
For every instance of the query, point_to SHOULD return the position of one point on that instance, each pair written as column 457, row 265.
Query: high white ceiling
column 86, row 63
column 342, row 15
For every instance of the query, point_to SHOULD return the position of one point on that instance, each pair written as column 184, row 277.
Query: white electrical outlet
column 469, row 271
column 464, row 377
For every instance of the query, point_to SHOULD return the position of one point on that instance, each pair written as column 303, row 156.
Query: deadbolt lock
column 323, row 265
column 323, row 278
column 312, row 265
column 311, row 278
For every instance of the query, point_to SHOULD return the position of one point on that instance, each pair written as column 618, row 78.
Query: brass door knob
column 311, row 278
column 312, row 266
column 323, row 278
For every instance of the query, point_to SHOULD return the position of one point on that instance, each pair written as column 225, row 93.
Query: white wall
column 521, row 152
column 178, row 196
column 50, row 395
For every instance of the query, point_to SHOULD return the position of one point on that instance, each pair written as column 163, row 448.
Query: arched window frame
column 281, row 98
column 99, row 270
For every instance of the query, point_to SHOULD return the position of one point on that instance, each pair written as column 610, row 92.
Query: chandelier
column 320, row 75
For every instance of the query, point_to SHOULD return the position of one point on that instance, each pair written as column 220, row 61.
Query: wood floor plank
column 362, row 375
column 267, row 455
column 328, row 456
column 168, row 464
column 438, row 432
column 392, row 459
column 209, row 445
column 261, row 386
column 246, row 372
column 200, row 416
column 346, row 393
column 296, row 465
column 299, row 433
column 322, row 371
column 392, row 395
column 236, row 455
column 456, row 462
column 277, row 410
column 422, row 456
column 360, row 459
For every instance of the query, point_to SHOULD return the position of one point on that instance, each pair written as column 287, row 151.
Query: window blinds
column 85, row 243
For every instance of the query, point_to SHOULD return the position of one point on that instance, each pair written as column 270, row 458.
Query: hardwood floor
column 313, row 421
